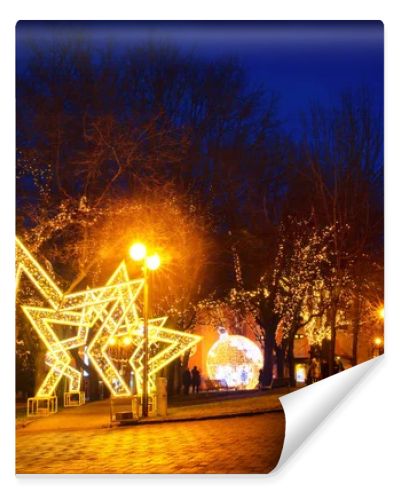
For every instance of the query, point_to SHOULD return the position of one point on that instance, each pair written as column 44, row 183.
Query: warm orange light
column 127, row 341
column 153, row 262
column 138, row 251
column 112, row 341
column 378, row 341
column 381, row 312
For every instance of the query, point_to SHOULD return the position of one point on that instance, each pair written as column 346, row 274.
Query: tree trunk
column 333, row 337
column 185, row 359
column 356, row 328
column 269, row 344
column 170, row 379
column 174, row 377
column 280, row 361
column 290, row 358
column 290, row 341
column 269, row 322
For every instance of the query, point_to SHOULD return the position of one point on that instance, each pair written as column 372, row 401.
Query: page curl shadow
column 307, row 408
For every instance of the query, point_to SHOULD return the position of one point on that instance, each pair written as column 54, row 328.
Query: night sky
column 304, row 62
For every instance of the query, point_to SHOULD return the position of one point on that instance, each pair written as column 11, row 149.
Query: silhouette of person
column 196, row 379
column 260, row 379
column 186, row 380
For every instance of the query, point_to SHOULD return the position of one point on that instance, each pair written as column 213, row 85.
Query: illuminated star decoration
column 57, row 356
column 113, row 311
column 175, row 344
column 111, row 304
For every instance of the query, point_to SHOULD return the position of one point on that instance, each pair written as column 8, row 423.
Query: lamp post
column 145, row 394
column 138, row 252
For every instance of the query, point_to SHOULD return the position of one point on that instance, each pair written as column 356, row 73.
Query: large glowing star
column 108, row 312
column 110, row 306
column 236, row 360
column 168, row 345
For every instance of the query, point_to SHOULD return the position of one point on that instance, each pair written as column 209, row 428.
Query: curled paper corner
column 308, row 407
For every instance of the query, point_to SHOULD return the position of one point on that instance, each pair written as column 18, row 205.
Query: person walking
column 187, row 381
column 196, row 380
column 260, row 379
column 314, row 371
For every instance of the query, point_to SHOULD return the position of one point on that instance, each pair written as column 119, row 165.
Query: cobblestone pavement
column 231, row 445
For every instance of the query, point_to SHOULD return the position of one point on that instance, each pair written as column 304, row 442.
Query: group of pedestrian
column 191, row 379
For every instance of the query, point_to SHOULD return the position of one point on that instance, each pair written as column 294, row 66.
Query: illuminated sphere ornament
column 235, row 359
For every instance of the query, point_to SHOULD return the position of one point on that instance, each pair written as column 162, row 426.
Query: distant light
column 378, row 341
column 153, row 262
column 138, row 251
column 381, row 313
column 301, row 372
column 112, row 341
column 222, row 331
column 127, row 341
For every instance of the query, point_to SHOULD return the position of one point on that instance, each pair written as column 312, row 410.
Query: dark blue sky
column 302, row 60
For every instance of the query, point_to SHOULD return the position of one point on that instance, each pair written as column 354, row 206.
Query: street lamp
column 138, row 252
column 378, row 342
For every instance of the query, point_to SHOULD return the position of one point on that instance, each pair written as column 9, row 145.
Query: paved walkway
column 96, row 415
column 241, row 445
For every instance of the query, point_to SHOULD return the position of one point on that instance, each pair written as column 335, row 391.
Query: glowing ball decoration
column 234, row 359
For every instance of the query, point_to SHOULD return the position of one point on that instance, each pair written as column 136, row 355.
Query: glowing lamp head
column 112, row 341
column 153, row 262
column 138, row 251
column 127, row 341
column 378, row 341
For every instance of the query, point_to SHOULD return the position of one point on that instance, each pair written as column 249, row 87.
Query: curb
column 204, row 417
column 156, row 421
